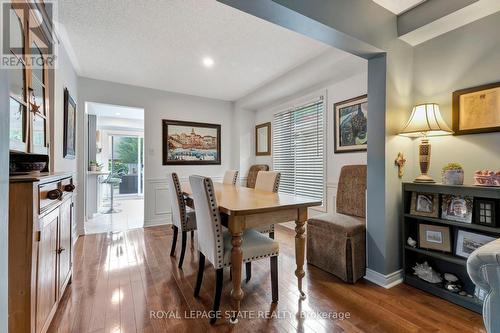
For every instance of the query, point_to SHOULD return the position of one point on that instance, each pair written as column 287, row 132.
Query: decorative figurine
column 426, row 273
column 400, row 162
column 411, row 242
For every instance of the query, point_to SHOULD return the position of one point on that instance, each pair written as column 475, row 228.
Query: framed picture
column 477, row 110
column 424, row 204
column 190, row 143
column 457, row 208
column 467, row 242
column 485, row 212
column 263, row 139
column 69, row 130
column 350, row 125
column 434, row 237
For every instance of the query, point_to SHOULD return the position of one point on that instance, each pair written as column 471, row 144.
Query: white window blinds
column 298, row 149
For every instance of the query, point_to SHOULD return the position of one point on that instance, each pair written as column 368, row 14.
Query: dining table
column 247, row 208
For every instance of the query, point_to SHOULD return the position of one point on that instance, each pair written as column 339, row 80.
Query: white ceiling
column 398, row 6
column 160, row 44
column 115, row 111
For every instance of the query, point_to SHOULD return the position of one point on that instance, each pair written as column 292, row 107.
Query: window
column 298, row 149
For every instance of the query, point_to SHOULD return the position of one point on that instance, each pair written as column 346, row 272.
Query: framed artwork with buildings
column 191, row 143
column 434, row 237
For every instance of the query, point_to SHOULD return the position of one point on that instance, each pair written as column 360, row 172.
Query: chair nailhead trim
column 182, row 204
column 218, row 230
column 274, row 254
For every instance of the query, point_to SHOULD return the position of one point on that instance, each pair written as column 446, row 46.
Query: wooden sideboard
column 41, row 214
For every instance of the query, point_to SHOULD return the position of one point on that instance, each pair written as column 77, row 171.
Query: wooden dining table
column 248, row 208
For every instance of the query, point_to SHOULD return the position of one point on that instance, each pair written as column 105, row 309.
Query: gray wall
column 157, row 105
column 463, row 58
column 365, row 29
column 64, row 77
column 4, row 197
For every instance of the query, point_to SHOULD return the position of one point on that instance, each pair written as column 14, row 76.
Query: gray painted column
column 4, row 198
column 375, row 203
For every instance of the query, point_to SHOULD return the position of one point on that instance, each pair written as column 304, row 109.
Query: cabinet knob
column 69, row 187
column 54, row 194
column 60, row 250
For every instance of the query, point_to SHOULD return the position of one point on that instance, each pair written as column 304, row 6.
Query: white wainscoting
column 156, row 201
column 157, row 204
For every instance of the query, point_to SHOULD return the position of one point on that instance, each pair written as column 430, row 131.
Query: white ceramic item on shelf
column 426, row 273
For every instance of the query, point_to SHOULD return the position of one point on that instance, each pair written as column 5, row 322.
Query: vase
column 93, row 168
column 453, row 177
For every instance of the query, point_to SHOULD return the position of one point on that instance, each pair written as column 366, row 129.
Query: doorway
column 115, row 179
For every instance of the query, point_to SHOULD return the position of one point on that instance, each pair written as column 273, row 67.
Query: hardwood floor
column 122, row 281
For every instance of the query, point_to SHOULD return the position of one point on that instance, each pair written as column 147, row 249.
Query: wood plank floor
column 120, row 278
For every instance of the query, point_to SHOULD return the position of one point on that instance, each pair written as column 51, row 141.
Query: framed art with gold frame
column 263, row 139
column 477, row 109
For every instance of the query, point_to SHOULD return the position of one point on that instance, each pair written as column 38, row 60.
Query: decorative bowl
column 487, row 178
column 27, row 167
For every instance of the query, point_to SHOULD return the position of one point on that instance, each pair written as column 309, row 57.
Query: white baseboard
column 387, row 281
column 155, row 222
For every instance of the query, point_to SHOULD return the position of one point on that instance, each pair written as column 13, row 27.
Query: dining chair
column 214, row 243
column 268, row 181
column 183, row 217
column 253, row 172
column 230, row 177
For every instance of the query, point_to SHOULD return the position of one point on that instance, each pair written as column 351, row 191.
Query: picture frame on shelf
column 485, row 212
column 457, row 208
column 466, row 242
column 424, row 204
column 434, row 237
column 263, row 139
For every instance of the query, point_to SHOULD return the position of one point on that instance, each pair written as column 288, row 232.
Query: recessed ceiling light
column 208, row 62
column 118, row 114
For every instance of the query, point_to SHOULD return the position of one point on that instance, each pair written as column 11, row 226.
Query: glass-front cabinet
column 29, row 85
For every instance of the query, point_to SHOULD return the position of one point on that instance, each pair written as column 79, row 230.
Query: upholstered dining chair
column 230, row 177
column 253, row 172
column 268, row 181
column 214, row 243
column 183, row 217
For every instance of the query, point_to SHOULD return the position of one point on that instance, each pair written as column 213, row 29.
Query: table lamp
column 425, row 120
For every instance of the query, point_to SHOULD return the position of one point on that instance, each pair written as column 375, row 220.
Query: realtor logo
column 36, row 18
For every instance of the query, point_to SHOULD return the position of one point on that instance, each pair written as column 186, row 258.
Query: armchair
column 483, row 266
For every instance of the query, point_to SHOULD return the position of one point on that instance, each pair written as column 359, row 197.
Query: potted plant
column 453, row 174
column 93, row 166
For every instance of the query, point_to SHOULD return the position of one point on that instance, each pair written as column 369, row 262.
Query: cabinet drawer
column 48, row 195
column 67, row 186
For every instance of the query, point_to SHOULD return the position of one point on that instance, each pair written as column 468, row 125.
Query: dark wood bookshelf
column 443, row 262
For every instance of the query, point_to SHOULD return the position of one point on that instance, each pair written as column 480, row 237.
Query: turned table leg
column 300, row 248
column 236, row 231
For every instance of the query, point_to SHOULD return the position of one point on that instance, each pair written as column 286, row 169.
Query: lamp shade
column 425, row 120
